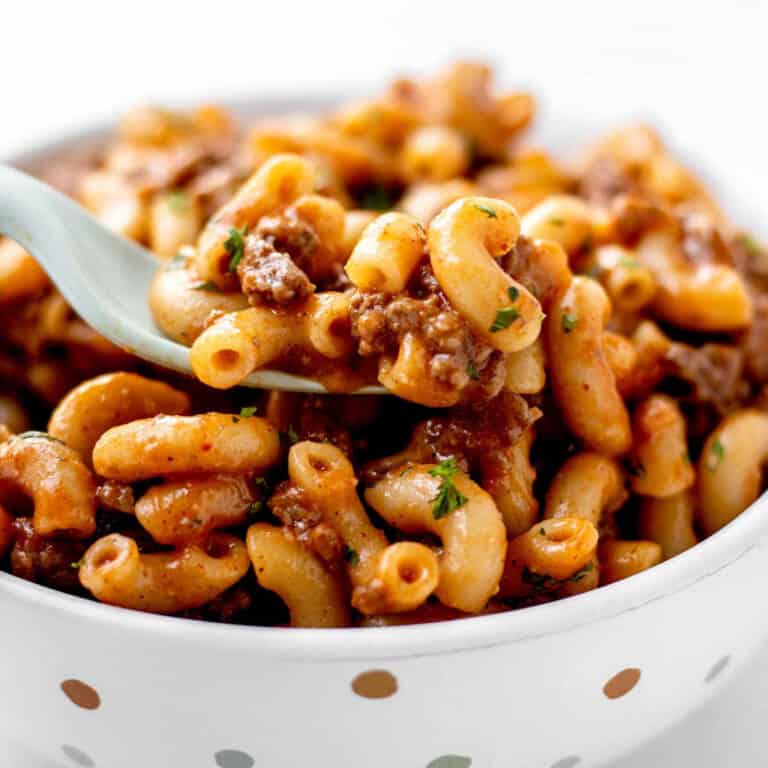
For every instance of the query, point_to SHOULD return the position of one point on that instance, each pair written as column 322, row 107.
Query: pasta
column 575, row 353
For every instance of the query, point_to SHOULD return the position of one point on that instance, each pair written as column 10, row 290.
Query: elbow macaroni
column 407, row 240
column 473, row 536
column 582, row 380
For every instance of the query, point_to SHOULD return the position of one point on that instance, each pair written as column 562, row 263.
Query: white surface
column 697, row 69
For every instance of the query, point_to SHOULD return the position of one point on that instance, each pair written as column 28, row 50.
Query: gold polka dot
column 81, row 694
column 621, row 683
column 375, row 684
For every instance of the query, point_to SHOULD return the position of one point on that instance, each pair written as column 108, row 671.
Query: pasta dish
column 575, row 351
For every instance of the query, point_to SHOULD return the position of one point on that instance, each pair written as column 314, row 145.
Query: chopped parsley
column 751, row 246
column 569, row 322
column 504, row 318
column 290, row 435
column 208, row 285
column 513, row 293
column 351, row 556
column 36, row 435
column 235, row 419
column 541, row 582
column 376, row 198
column 76, row 565
column 542, row 531
column 260, row 482
column 489, row 212
column 178, row 201
column 254, row 508
column 248, row 411
column 557, row 222
column 234, row 245
column 406, row 471
column 448, row 498
column 472, row 371
column 717, row 452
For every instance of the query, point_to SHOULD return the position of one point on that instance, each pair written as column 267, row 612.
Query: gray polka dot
column 450, row 761
column 717, row 668
column 233, row 758
column 567, row 762
column 77, row 756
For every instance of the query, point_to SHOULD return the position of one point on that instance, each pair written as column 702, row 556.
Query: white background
column 696, row 69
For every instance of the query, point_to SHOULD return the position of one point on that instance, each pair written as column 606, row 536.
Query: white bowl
column 571, row 683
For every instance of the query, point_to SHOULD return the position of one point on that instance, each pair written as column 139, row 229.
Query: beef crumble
column 457, row 357
column 52, row 562
column 269, row 276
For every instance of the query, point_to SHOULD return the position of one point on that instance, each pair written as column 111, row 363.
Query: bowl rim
column 715, row 553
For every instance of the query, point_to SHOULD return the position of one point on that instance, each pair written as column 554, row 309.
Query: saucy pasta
column 577, row 353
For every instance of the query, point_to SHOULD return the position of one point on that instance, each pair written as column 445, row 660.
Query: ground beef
column 228, row 608
column 535, row 274
column 290, row 505
column 302, row 520
column 269, row 276
column 456, row 357
column 755, row 344
column 605, row 179
column 288, row 232
column 472, row 434
column 751, row 260
column 52, row 562
column 713, row 373
column 632, row 216
column 317, row 423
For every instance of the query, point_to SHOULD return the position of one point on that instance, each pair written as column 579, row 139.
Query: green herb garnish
column 178, row 200
column 504, row 318
column 448, row 498
column 254, row 508
column 541, row 582
column 208, row 285
column 351, row 556
column 234, row 245
column 489, row 212
column 751, row 246
column 556, row 222
column 472, row 371
column 513, row 293
column 248, row 411
column 290, row 435
column 569, row 322
column 718, row 452
column 76, row 565
column 377, row 198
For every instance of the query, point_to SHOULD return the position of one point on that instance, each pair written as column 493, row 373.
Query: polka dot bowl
column 572, row 683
